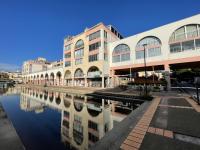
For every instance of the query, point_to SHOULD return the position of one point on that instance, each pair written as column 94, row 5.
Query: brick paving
column 161, row 132
column 136, row 137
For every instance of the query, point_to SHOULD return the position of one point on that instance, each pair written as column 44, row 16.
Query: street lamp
column 145, row 69
column 197, row 83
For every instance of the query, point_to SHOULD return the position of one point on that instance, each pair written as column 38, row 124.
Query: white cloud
column 9, row 67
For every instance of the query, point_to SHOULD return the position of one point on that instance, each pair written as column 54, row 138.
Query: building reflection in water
column 84, row 120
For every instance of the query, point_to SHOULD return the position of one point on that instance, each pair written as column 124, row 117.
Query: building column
column 72, row 81
column 85, row 99
column 112, row 78
column 167, row 76
column 108, row 82
column 65, row 82
column 102, row 84
column 85, row 80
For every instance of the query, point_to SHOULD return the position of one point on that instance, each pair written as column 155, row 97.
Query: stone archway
column 46, row 79
column 58, row 78
column 79, row 77
column 52, row 78
column 67, row 78
column 94, row 77
column 41, row 79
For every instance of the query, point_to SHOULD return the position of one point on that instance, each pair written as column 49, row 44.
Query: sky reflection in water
column 53, row 120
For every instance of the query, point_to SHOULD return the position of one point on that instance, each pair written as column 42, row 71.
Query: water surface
column 60, row 121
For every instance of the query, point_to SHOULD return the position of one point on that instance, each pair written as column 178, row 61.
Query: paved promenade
column 166, row 123
column 74, row 90
column 169, row 123
column 9, row 139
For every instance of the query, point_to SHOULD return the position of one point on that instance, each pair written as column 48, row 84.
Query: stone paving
column 136, row 136
column 164, row 120
column 73, row 90
column 9, row 140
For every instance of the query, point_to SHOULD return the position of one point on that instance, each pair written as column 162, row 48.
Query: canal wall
column 113, row 139
column 9, row 139
column 72, row 90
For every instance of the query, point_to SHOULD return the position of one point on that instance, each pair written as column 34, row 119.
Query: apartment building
column 101, row 57
column 32, row 66
column 86, row 55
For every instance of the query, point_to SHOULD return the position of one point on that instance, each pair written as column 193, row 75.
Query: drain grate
column 187, row 138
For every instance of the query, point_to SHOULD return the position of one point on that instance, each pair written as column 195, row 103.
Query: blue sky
column 32, row 28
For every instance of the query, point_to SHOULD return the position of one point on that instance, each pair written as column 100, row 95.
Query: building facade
column 31, row 66
column 86, row 56
column 99, row 57
column 15, row 76
column 175, row 45
column 42, row 72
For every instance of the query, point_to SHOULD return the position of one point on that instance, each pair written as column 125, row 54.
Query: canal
column 61, row 121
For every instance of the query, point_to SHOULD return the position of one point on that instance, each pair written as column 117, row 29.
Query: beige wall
column 163, row 33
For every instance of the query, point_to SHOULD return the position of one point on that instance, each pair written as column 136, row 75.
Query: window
column 67, row 63
column 174, row 48
column 77, row 118
column 116, row 58
column 180, row 34
column 154, row 52
column 92, row 137
column 191, row 31
column 94, row 57
column 78, row 129
column 92, row 125
column 94, row 35
column 105, row 56
column 197, row 42
column 184, row 32
column 79, row 53
column 105, row 45
column 105, row 34
column 184, row 38
column 66, row 123
column 153, row 47
column 78, row 73
column 66, row 114
column 94, row 46
column 139, row 54
column 188, row 45
column 68, row 55
column 79, row 44
column 125, row 57
column 121, row 53
column 78, row 61
column 67, row 47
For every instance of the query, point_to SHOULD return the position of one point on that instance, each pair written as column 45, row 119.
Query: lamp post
column 145, row 69
column 197, row 83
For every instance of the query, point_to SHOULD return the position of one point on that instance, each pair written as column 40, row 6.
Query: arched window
column 79, row 52
column 153, row 47
column 67, row 74
column 93, row 72
column 78, row 73
column 79, row 44
column 185, row 38
column 121, row 53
